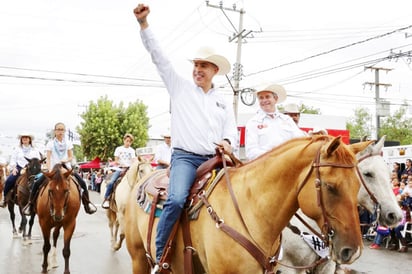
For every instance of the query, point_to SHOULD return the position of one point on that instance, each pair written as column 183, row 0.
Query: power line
column 332, row 50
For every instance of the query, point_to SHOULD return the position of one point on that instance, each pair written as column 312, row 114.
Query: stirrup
column 106, row 204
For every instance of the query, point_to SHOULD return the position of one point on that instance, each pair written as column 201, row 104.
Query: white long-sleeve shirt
column 198, row 119
column 264, row 133
column 19, row 154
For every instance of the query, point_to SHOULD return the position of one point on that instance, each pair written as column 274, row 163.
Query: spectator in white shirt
column 164, row 152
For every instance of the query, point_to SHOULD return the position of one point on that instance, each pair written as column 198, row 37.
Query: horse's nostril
column 346, row 255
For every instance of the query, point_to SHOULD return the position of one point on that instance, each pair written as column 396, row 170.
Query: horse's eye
column 368, row 174
column 331, row 188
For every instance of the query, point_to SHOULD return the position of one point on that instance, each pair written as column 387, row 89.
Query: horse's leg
column 46, row 246
column 112, row 227
column 23, row 224
column 31, row 222
column 68, row 233
column 10, row 207
column 120, row 223
column 53, row 255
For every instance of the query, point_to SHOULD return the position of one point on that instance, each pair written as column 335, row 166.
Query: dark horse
column 23, row 186
column 32, row 168
column 57, row 206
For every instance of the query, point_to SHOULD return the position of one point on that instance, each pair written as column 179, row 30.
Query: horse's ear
column 358, row 147
column 43, row 160
column 49, row 174
column 28, row 160
column 333, row 145
column 67, row 173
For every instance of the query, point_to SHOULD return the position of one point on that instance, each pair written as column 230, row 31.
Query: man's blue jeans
column 182, row 176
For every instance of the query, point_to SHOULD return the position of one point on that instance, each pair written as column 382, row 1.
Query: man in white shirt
column 200, row 118
column 164, row 153
column 269, row 128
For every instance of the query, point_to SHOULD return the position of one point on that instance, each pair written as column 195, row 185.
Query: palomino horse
column 57, row 206
column 23, row 183
column 316, row 174
column 375, row 192
column 121, row 193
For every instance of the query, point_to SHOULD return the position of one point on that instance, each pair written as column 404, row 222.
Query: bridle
column 51, row 199
column 268, row 263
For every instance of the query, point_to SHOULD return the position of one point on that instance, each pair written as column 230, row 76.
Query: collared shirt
column 163, row 152
column 198, row 119
column 20, row 153
column 264, row 132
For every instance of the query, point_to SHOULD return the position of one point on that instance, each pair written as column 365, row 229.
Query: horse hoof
column 15, row 235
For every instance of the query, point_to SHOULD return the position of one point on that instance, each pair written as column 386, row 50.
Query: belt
column 194, row 154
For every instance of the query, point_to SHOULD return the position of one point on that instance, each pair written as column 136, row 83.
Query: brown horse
column 57, row 206
column 316, row 174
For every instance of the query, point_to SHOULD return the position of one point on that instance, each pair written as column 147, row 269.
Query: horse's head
column 333, row 184
column 139, row 169
column 33, row 166
column 375, row 190
column 58, row 191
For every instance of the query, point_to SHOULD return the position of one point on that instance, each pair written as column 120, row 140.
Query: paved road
column 91, row 251
column 90, row 248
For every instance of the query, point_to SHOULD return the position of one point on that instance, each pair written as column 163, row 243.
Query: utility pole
column 380, row 109
column 240, row 34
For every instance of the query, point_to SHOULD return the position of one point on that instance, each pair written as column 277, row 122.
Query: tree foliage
column 397, row 127
column 360, row 125
column 104, row 125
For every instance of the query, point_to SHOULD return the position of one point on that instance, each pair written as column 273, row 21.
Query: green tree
column 397, row 127
column 360, row 125
column 104, row 125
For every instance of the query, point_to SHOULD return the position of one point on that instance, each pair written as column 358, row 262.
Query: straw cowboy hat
column 275, row 89
column 209, row 55
column 291, row 108
column 25, row 134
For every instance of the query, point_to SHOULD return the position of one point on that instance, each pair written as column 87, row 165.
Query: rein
column 298, row 232
column 268, row 263
column 51, row 199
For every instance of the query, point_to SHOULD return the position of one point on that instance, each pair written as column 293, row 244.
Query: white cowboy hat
column 209, row 55
column 275, row 89
column 291, row 108
column 166, row 135
column 25, row 134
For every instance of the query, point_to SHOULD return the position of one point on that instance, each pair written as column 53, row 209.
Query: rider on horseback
column 124, row 157
column 60, row 150
column 18, row 162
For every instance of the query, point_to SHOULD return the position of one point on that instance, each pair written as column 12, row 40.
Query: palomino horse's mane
column 345, row 155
